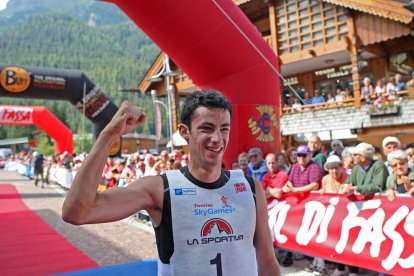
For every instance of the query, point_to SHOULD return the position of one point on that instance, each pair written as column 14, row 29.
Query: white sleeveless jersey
column 213, row 229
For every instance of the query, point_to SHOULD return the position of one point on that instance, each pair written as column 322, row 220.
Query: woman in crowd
column 291, row 157
column 337, row 147
column 402, row 180
column 410, row 153
column 367, row 90
column 347, row 160
column 282, row 162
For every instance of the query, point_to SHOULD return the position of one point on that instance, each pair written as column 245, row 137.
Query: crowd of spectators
column 332, row 168
column 383, row 90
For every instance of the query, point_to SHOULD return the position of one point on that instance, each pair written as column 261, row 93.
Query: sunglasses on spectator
column 401, row 163
column 301, row 155
column 335, row 145
column 253, row 156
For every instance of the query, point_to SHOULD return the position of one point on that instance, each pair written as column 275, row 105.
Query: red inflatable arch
column 219, row 48
column 43, row 118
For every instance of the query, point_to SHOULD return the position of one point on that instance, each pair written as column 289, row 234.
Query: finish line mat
column 28, row 245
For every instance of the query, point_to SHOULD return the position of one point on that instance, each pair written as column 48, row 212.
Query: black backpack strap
column 252, row 186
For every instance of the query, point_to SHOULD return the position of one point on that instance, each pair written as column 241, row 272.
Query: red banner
column 370, row 232
column 16, row 115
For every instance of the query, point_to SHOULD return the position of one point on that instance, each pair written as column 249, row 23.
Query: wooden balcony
column 337, row 104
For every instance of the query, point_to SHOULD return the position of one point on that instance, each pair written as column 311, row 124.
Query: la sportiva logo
column 222, row 226
column 14, row 79
column 263, row 125
column 216, row 230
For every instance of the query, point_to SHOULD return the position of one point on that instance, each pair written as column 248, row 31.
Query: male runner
column 208, row 221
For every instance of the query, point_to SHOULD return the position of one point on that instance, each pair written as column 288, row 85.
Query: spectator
column 291, row 157
column 297, row 106
column 282, row 162
column 128, row 173
column 140, row 169
column 274, row 180
column 332, row 182
column 380, row 88
column 348, row 160
column 38, row 168
column 368, row 176
column 177, row 165
column 306, row 98
column 410, row 153
column 330, row 98
column 402, row 180
column 315, row 145
column 164, row 156
column 257, row 166
column 391, row 86
column 348, row 94
column 399, row 83
column 243, row 161
column 318, row 98
column 149, row 165
column 390, row 144
column 184, row 159
column 337, row 147
column 305, row 175
column 235, row 165
column 367, row 90
column 411, row 82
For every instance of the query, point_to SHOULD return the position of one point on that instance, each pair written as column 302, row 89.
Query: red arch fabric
column 42, row 117
column 219, row 48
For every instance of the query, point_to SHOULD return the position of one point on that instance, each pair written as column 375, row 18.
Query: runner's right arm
column 84, row 204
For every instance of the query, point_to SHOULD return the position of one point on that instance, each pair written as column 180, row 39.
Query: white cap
column 390, row 139
column 332, row 159
column 364, row 149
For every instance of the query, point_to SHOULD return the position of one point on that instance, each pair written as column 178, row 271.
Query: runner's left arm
column 266, row 258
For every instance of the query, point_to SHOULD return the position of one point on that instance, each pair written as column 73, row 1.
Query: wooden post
column 410, row 86
column 353, row 45
column 273, row 29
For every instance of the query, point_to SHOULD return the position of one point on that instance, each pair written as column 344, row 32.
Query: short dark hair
column 208, row 98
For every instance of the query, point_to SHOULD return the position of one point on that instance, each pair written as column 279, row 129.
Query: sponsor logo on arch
column 14, row 79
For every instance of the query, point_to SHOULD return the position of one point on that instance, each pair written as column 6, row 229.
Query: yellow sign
column 116, row 147
column 14, row 79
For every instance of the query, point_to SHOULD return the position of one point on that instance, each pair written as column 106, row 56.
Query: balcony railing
column 335, row 104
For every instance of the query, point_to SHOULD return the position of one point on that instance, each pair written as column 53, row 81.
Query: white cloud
column 3, row 4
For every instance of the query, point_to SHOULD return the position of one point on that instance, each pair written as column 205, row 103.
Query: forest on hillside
column 113, row 56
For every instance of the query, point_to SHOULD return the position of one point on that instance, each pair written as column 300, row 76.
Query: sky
column 3, row 4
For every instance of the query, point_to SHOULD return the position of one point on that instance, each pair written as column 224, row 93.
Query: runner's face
column 209, row 135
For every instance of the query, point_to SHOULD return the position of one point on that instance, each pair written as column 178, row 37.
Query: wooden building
column 323, row 45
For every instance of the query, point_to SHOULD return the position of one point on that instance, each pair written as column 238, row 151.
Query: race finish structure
column 60, row 84
column 217, row 46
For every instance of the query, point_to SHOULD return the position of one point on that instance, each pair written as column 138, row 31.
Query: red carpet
column 29, row 246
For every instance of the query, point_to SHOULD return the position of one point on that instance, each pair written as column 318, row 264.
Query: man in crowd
column 368, row 176
column 173, row 200
column 318, row 98
column 315, row 145
column 390, row 144
column 257, row 166
column 243, row 161
column 274, row 180
column 306, row 174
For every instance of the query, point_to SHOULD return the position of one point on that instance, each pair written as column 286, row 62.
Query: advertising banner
column 370, row 232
